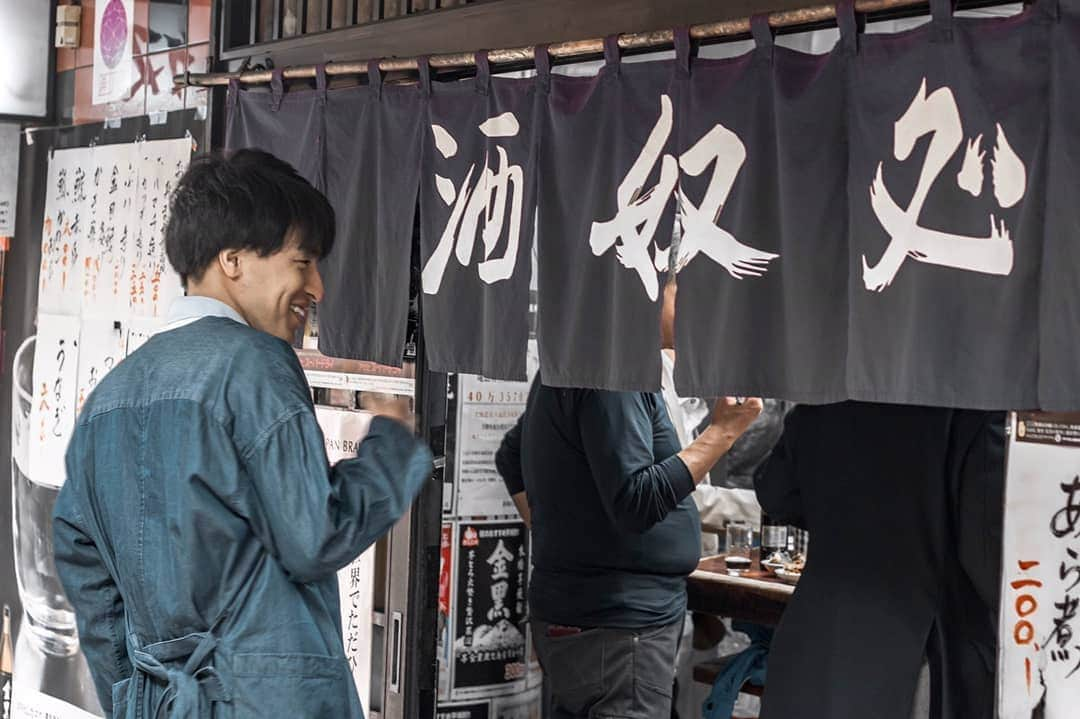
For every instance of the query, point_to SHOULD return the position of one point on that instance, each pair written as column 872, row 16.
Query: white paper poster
column 9, row 176
column 152, row 284
column 1039, row 662
column 487, row 409
column 113, row 41
column 115, row 177
column 102, row 344
column 29, row 703
column 140, row 330
column 66, row 205
column 488, row 608
column 52, row 415
column 343, row 430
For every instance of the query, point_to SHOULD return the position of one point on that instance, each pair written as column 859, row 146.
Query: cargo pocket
column 120, row 698
column 655, row 652
column 291, row 685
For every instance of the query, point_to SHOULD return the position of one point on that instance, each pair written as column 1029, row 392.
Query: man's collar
column 195, row 307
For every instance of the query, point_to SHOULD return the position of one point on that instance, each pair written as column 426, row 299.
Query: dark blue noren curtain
column 1059, row 308
column 892, row 221
column 477, row 210
column 360, row 145
column 762, row 300
column 947, row 188
column 606, row 206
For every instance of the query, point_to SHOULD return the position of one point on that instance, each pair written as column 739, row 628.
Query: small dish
column 787, row 577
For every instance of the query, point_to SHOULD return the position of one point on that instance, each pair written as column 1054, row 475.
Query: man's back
column 196, row 474
column 615, row 532
column 904, row 559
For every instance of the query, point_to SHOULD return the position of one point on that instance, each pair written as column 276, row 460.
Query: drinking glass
column 740, row 537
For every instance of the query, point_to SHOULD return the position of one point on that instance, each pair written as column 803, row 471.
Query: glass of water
column 740, row 536
column 49, row 616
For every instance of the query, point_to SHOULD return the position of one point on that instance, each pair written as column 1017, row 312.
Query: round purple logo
column 114, row 33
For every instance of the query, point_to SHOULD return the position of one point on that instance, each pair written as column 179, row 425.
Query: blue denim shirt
column 201, row 525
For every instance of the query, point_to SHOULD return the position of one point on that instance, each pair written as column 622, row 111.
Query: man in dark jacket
column 904, row 508
column 606, row 486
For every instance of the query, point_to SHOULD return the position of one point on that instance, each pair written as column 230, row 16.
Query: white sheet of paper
column 343, row 430
column 140, row 330
column 1040, row 588
column 102, row 345
column 52, row 416
column 114, row 25
column 27, row 702
column 104, row 271
column 487, row 410
column 153, row 284
column 59, row 289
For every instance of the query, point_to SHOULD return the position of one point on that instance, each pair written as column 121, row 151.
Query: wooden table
column 755, row 596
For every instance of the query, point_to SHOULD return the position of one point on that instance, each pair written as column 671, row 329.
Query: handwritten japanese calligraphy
column 1039, row 663
column 479, row 204
column 937, row 115
column 102, row 345
column 632, row 230
column 52, row 415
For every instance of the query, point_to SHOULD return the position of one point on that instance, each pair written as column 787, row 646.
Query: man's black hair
column 243, row 200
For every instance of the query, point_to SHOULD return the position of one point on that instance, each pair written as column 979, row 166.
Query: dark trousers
column 597, row 673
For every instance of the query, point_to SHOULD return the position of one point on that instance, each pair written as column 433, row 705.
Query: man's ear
column 229, row 261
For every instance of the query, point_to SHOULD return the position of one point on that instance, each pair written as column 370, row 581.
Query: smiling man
column 201, row 525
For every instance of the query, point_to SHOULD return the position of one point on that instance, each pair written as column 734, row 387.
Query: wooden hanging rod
column 562, row 50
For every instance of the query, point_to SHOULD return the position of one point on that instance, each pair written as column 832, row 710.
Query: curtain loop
column 277, row 88
column 762, row 33
column 375, row 79
column 612, row 53
column 483, row 72
column 320, row 82
column 849, row 25
column 233, row 94
column 425, row 75
column 543, row 67
column 683, row 48
column 942, row 12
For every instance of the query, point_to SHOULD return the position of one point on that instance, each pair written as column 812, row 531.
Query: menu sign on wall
column 1039, row 655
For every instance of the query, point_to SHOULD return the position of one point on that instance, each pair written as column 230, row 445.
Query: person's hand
column 392, row 406
column 734, row 415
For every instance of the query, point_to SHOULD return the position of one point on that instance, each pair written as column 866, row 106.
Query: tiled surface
column 86, row 111
column 161, row 95
column 152, row 87
column 199, row 61
column 168, row 25
column 84, row 55
column 64, row 94
column 199, row 19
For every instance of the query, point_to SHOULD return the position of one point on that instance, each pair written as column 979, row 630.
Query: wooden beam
column 497, row 24
column 500, row 24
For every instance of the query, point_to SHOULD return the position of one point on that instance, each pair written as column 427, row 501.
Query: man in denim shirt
column 201, row 525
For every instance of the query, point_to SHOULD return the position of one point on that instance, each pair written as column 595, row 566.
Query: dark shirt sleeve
column 314, row 518
column 617, row 436
column 508, row 460
column 776, row 481
column 99, row 608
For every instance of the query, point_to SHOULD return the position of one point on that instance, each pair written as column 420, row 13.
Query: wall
column 171, row 37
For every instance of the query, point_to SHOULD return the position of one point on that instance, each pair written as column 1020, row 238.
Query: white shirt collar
column 185, row 310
